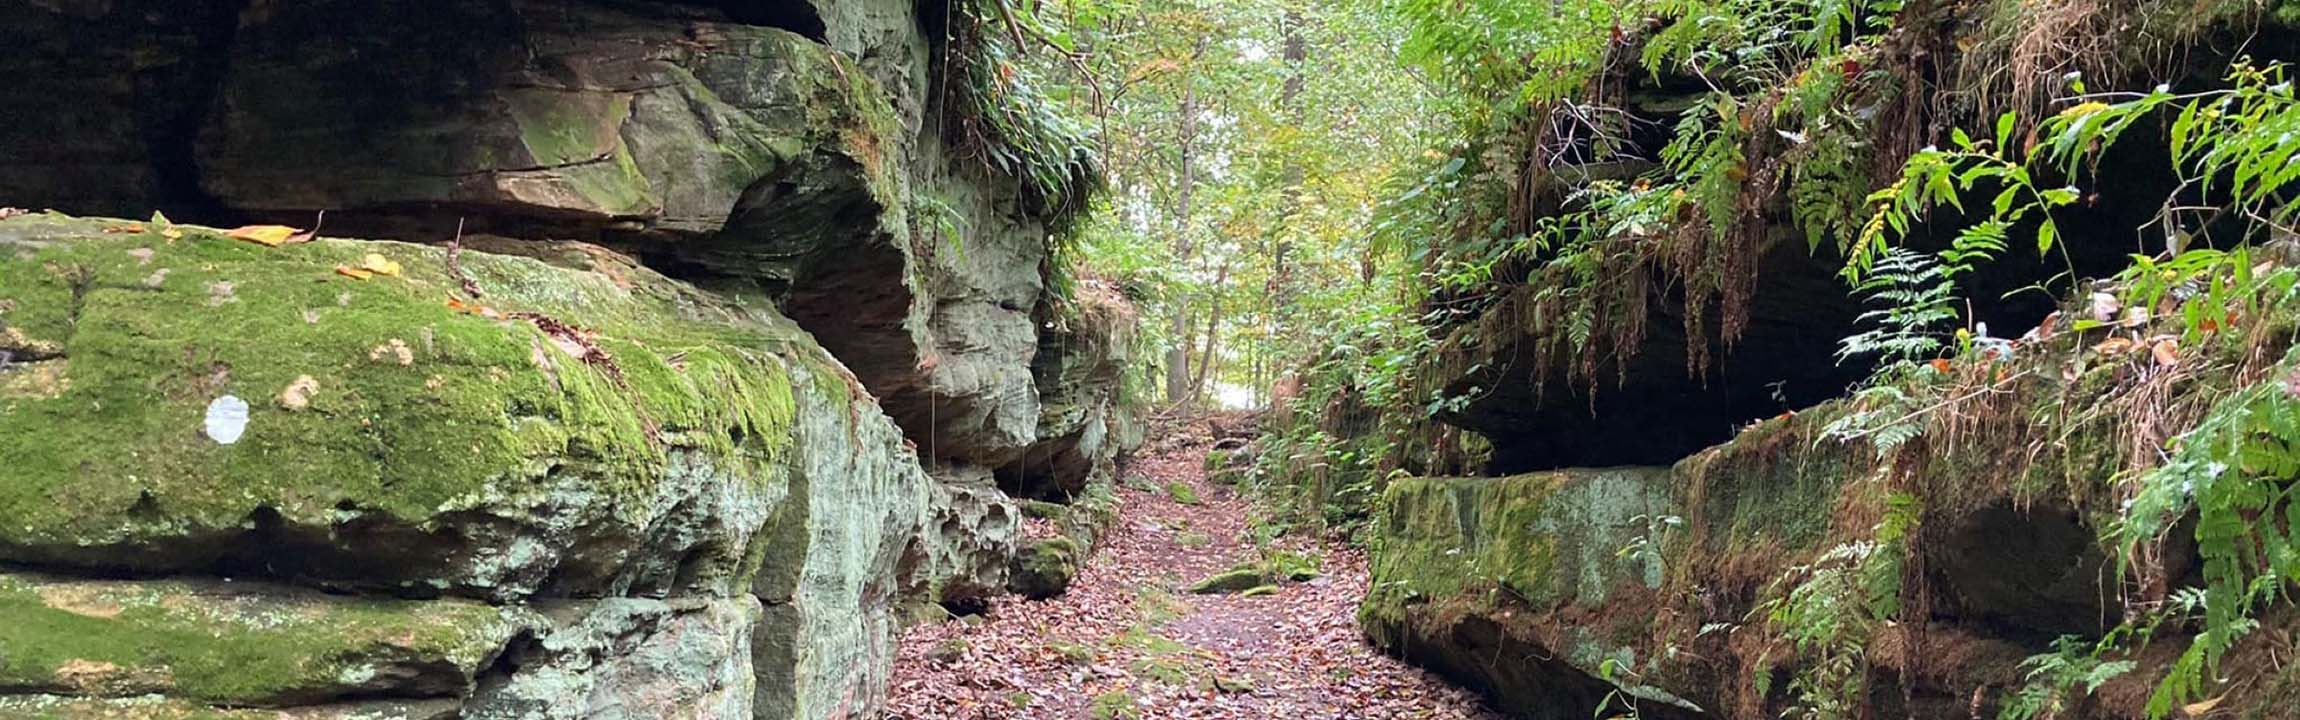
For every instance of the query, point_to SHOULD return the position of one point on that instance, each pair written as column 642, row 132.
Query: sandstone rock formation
column 618, row 483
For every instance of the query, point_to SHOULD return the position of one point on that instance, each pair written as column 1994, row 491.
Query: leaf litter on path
column 1126, row 636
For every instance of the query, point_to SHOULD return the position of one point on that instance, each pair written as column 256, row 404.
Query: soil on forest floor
column 1128, row 641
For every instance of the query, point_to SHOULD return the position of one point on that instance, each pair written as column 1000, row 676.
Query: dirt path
column 1128, row 641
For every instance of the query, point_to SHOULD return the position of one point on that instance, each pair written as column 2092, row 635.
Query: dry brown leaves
column 1296, row 655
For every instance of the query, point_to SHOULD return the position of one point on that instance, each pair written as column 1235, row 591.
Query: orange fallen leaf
column 1940, row 365
column 2050, row 325
column 128, row 228
column 2166, row 352
column 470, row 309
column 269, row 235
column 353, row 273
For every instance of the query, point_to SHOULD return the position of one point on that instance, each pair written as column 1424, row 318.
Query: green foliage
column 2240, row 463
column 1919, row 297
column 1828, row 610
column 1936, row 177
column 1005, row 118
column 2073, row 669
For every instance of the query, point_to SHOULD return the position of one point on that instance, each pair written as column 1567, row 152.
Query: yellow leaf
column 353, row 273
column 269, row 235
column 379, row 265
column 168, row 227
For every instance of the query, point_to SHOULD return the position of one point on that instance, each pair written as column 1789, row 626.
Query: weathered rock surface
column 680, row 505
column 1988, row 546
column 590, row 436
column 782, row 146
column 1045, row 566
column 1466, row 571
column 1083, row 416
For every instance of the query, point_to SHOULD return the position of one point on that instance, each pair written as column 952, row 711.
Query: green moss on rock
column 1547, row 538
column 238, row 644
column 1229, row 581
column 432, row 446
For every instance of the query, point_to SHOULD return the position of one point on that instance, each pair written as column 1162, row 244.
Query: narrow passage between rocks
column 1130, row 641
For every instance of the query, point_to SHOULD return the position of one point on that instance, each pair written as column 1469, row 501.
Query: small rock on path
column 1127, row 642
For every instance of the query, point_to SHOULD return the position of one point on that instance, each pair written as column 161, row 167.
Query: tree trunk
column 1213, row 323
column 1296, row 54
column 1178, row 354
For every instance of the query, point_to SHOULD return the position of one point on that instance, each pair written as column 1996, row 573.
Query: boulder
column 1045, row 565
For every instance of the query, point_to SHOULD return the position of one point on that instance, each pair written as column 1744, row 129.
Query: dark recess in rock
column 799, row 16
column 1656, row 412
column 2036, row 572
column 1531, row 682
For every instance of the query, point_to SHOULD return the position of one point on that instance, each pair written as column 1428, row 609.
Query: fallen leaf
column 471, row 309
column 167, row 227
column 269, row 235
column 380, row 265
column 2051, row 324
column 2113, row 346
column 121, row 229
column 2167, row 353
column 1940, row 365
column 2135, row 317
column 396, row 350
column 2200, row 707
column 354, row 273
column 298, row 394
column 2104, row 307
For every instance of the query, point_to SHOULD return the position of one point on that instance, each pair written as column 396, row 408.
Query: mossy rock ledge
column 1553, row 591
column 602, row 484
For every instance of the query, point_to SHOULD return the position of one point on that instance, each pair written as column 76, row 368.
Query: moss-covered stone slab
column 1546, row 538
column 1229, row 581
column 583, row 433
column 239, row 644
column 1468, row 572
